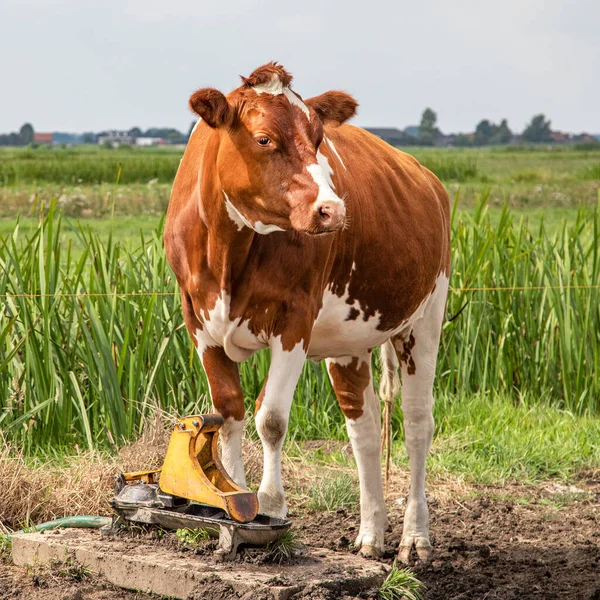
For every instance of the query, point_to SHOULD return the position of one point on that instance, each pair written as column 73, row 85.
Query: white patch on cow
column 326, row 169
column 241, row 221
column 196, row 125
column 334, row 336
column 321, row 173
column 335, row 151
column 235, row 215
column 233, row 335
column 272, row 419
column 276, row 87
column 263, row 229
column 365, row 436
column 296, row 101
column 230, row 436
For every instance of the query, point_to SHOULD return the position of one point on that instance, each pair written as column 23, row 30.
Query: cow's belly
column 342, row 330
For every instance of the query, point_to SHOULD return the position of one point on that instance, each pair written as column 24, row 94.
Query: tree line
column 486, row 133
column 23, row 138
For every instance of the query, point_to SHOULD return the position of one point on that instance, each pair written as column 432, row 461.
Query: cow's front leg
column 352, row 381
column 272, row 415
column 228, row 400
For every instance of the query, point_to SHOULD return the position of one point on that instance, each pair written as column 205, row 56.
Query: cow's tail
column 388, row 390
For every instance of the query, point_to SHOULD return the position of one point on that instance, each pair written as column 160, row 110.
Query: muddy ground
column 490, row 543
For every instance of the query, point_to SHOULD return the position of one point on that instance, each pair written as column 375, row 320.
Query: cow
column 289, row 229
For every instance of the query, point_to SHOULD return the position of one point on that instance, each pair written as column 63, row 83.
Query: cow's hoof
column 371, row 546
column 421, row 545
column 368, row 551
column 272, row 505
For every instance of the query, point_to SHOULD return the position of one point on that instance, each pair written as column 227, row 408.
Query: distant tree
column 427, row 127
column 538, row 130
column 135, row 132
column 26, row 134
column 502, row 133
column 483, row 133
column 89, row 137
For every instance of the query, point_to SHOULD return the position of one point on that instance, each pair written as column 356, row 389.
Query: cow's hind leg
column 353, row 384
column 417, row 353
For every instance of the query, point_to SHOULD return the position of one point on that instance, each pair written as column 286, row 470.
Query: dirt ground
column 490, row 543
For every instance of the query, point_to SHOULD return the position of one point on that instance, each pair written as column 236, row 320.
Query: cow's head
column 270, row 171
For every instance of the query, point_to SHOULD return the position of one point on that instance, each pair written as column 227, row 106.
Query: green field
column 83, row 365
column 91, row 181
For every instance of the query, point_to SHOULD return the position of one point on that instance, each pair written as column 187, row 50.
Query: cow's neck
column 227, row 247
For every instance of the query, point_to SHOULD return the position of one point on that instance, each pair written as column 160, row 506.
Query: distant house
column 149, row 141
column 391, row 135
column 560, row 136
column 42, row 138
column 585, row 137
column 116, row 138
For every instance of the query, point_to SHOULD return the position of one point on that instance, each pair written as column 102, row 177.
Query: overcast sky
column 80, row 65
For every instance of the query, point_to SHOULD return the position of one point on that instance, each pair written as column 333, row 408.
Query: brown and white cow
column 292, row 231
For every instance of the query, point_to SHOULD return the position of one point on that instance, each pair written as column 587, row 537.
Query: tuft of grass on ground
column 284, row 548
column 192, row 537
column 400, row 584
column 330, row 493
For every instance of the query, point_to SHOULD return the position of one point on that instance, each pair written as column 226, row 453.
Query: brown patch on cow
column 404, row 353
column 349, row 383
column 273, row 428
column 263, row 75
column 224, row 380
column 261, row 396
column 353, row 314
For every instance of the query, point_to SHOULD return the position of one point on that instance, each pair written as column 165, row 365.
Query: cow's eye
column 263, row 141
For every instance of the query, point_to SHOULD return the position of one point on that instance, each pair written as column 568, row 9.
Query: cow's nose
column 331, row 213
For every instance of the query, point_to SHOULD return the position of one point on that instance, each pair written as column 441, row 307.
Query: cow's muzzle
column 328, row 215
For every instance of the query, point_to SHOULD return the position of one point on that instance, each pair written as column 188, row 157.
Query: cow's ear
column 213, row 107
column 333, row 107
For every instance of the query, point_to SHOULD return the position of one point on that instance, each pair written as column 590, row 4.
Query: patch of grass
column 491, row 439
column 401, row 584
column 591, row 172
column 329, row 494
column 70, row 569
column 450, row 167
column 5, row 548
column 284, row 548
column 192, row 537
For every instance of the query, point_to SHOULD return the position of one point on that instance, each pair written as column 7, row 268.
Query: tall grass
column 86, row 370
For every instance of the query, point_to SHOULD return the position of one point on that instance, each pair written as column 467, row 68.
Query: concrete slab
column 151, row 568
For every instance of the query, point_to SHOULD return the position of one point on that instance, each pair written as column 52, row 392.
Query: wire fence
column 453, row 290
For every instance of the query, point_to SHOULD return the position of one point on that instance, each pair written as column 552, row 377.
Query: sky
column 89, row 65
